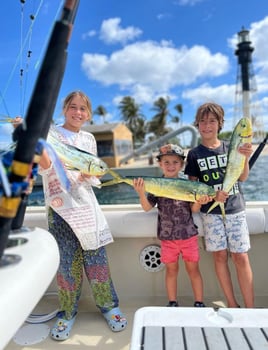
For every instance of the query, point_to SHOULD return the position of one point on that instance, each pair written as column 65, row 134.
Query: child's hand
column 221, row 196
column 246, row 149
column 138, row 185
column 204, row 199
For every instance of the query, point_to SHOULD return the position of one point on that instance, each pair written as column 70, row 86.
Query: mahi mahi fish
column 77, row 159
column 174, row 188
column 235, row 160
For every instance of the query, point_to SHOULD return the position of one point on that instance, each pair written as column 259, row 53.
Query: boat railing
column 129, row 220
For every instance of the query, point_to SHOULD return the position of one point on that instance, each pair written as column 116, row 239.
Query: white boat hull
column 135, row 230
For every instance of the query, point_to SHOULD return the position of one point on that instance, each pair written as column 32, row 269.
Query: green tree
column 177, row 118
column 133, row 118
column 158, row 123
column 101, row 112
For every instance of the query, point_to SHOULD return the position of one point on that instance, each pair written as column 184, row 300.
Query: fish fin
column 57, row 164
column 53, row 137
column 69, row 167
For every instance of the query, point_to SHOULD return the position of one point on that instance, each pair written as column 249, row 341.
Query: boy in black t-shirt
column 207, row 163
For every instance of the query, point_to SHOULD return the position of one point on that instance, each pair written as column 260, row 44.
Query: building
column 114, row 142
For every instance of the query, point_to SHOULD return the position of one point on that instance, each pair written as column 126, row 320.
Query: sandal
column 62, row 328
column 115, row 319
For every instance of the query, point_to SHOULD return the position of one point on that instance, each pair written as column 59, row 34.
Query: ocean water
column 254, row 189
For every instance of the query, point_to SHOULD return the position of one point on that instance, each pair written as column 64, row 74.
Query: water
column 255, row 188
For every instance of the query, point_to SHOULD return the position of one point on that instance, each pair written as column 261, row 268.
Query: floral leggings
column 70, row 273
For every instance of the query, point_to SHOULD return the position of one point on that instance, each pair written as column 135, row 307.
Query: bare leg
column 196, row 279
column 224, row 276
column 245, row 277
column 172, row 270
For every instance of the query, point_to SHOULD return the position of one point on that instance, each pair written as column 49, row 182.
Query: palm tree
column 133, row 118
column 158, row 123
column 102, row 112
column 177, row 118
column 140, row 130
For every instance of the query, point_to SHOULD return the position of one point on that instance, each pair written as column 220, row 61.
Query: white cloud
column 223, row 94
column 89, row 34
column 111, row 32
column 257, row 31
column 154, row 67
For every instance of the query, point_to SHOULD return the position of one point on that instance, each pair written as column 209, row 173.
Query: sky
column 183, row 49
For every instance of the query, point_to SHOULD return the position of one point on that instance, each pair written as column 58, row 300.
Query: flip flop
column 62, row 328
column 115, row 319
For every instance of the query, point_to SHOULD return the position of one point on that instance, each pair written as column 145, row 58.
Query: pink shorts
column 188, row 248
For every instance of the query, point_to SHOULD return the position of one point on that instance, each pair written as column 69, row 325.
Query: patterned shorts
column 230, row 234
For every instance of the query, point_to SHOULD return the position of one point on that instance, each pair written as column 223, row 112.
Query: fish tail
column 59, row 169
column 110, row 183
column 214, row 205
column 222, row 210
column 116, row 179
column 115, row 174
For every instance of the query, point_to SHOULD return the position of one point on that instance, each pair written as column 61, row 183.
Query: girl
column 79, row 226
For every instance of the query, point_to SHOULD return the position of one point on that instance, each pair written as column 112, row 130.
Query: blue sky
column 183, row 49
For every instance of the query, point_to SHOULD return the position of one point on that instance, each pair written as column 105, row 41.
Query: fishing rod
column 257, row 152
column 38, row 117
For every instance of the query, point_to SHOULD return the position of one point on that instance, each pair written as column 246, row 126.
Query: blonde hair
column 68, row 100
column 213, row 108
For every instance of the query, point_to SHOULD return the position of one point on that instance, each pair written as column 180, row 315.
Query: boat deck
column 90, row 330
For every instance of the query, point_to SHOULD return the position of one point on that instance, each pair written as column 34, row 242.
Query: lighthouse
column 246, row 104
column 244, row 53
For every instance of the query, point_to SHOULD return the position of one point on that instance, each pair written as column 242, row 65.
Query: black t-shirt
column 209, row 165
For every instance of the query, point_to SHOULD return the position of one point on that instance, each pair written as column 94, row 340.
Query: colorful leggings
column 70, row 273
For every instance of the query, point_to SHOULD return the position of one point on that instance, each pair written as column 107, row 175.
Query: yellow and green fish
column 235, row 160
column 174, row 188
column 77, row 159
